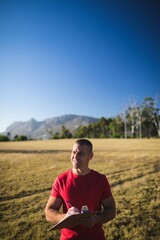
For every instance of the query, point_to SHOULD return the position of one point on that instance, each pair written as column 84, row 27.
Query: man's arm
column 108, row 213
column 52, row 210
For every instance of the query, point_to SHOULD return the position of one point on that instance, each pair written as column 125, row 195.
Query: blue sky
column 76, row 57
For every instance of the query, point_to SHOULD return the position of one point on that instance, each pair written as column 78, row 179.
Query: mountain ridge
column 34, row 129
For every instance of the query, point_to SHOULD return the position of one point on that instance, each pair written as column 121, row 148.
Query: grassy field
column 28, row 170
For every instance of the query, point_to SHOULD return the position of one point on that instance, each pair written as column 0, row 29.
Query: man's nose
column 76, row 155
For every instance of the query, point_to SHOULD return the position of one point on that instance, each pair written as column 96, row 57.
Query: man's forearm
column 54, row 216
column 105, row 216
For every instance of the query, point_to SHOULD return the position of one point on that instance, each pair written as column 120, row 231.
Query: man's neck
column 79, row 171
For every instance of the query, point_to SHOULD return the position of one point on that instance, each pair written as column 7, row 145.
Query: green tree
column 156, row 115
column 116, row 127
column 4, row 138
column 81, row 132
column 20, row 138
column 65, row 133
column 148, row 116
column 56, row 135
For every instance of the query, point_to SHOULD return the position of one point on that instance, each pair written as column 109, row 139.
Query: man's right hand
column 72, row 211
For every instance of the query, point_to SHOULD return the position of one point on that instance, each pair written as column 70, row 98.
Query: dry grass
column 28, row 170
column 99, row 144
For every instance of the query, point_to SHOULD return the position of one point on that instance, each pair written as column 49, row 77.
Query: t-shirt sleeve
column 106, row 192
column 55, row 192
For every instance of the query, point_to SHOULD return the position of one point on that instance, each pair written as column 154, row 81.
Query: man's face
column 80, row 156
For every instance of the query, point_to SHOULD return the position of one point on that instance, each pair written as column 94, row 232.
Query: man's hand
column 89, row 221
column 72, row 211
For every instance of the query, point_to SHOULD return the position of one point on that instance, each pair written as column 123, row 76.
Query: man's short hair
column 83, row 141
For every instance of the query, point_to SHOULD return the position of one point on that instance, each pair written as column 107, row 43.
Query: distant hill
column 42, row 129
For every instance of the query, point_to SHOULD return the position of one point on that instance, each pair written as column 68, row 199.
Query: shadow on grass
column 31, row 151
column 23, row 194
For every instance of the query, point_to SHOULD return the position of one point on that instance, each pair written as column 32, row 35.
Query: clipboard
column 72, row 220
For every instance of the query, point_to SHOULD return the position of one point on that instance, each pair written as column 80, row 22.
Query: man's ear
column 91, row 155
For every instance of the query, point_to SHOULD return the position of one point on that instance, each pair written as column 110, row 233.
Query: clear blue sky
column 76, row 57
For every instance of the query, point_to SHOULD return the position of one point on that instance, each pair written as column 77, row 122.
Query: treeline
column 134, row 121
column 4, row 138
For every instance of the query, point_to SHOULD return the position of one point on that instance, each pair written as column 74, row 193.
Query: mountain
column 44, row 129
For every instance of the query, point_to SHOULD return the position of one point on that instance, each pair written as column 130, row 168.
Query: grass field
column 28, row 170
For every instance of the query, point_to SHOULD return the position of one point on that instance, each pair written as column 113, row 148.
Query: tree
column 139, row 122
column 150, row 118
column 123, row 115
column 104, row 127
column 156, row 115
column 132, row 118
column 82, row 132
column 56, row 135
column 116, row 127
column 65, row 133
column 4, row 138
column 20, row 138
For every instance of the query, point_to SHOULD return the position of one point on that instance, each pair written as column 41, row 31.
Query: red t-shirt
column 81, row 190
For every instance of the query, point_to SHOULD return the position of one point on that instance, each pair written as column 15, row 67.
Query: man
column 77, row 187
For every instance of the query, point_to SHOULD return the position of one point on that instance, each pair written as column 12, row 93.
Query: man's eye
column 81, row 153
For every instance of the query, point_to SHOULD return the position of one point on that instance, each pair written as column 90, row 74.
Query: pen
column 69, row 203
